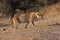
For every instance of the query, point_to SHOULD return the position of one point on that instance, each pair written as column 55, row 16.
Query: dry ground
column 48, row 29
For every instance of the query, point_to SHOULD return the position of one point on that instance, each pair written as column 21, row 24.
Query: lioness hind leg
column 15, row 22
column 14, row 25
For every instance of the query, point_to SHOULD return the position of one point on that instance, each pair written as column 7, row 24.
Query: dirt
column 47, row 29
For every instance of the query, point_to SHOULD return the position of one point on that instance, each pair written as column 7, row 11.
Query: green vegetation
column 38, row 3
column 7, row 6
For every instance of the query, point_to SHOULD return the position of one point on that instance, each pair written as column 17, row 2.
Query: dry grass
column 44, row 29
column 51, row 11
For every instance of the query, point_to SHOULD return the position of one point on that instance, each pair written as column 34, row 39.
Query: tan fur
column 15, row 21
column 25, row 17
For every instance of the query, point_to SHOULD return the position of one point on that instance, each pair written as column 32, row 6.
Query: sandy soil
column 47, row 29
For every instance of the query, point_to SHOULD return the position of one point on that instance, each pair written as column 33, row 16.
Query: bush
column 5, row 7
column 38, row 4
